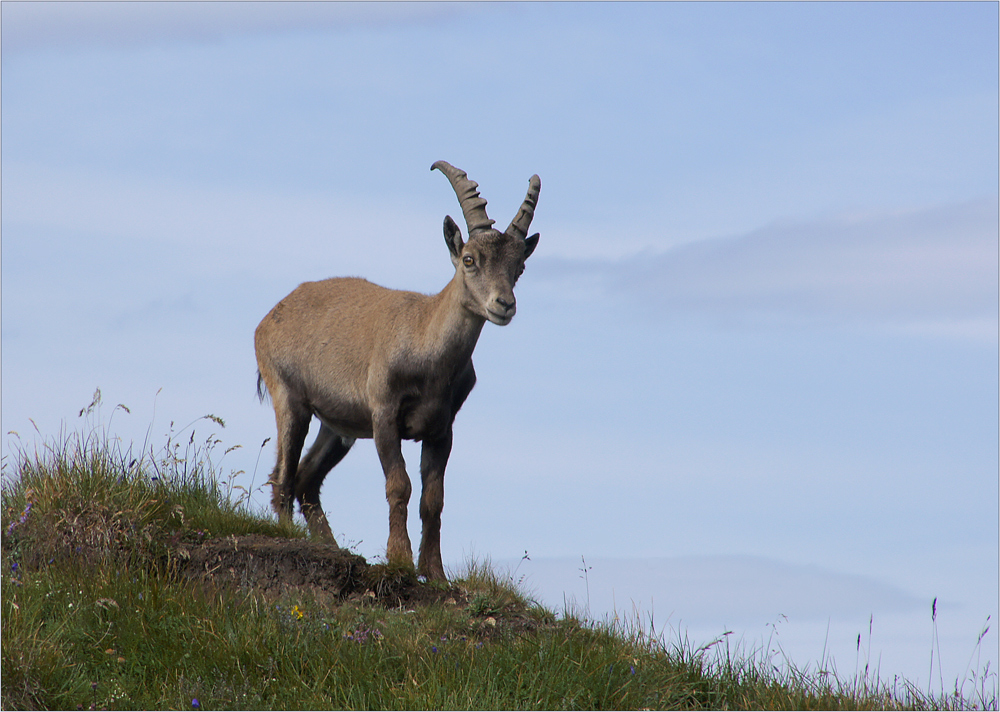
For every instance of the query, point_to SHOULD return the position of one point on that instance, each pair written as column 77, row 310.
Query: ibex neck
column 452, row 328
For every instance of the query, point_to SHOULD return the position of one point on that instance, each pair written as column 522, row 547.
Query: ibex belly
column 422, row 413
column 352, row 420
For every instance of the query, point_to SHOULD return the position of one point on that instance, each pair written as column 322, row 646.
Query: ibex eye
column 468, row 261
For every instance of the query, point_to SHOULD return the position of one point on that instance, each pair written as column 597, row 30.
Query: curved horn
column 473, row 207
column 522, row 221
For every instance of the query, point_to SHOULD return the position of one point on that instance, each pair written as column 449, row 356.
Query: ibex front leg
column 397, row 486
column 433, row 459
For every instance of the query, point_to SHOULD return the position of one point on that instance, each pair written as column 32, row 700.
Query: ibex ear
column 453, row 238
column 530, row 244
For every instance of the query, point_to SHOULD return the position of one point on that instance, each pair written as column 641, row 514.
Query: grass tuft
column 85, row 500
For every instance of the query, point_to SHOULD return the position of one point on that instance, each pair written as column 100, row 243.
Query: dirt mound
column 275, row 565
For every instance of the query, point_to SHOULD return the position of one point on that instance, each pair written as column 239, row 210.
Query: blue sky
column 761, row 322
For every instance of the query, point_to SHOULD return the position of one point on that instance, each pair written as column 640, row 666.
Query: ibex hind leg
column 328, row 449
column 293, row 425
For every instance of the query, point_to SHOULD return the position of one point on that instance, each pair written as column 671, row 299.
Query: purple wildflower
column 23, row 518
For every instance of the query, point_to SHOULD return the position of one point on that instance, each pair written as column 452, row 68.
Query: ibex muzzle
column 379, row 363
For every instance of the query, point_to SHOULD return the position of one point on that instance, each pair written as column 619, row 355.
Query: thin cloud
column 935, row 268
column 29, row 26
column 213, row 229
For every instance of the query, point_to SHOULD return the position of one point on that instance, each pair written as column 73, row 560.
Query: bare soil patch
column 275, row 565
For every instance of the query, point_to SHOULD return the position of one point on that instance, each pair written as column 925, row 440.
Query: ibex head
column 491, row 261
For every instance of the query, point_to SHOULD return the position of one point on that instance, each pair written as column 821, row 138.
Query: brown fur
column 379, row 363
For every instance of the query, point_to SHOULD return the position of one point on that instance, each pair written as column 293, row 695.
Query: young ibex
column 378, row 363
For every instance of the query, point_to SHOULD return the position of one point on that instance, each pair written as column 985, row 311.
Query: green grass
column 95, row 617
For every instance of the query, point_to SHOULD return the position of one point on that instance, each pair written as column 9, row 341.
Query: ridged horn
column 522, row 221
column 473, row 206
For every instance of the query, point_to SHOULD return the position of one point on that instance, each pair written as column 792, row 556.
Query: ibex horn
column 522, row 221
column 473, row 207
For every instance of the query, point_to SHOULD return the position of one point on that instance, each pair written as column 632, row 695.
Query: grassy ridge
column 95, row 617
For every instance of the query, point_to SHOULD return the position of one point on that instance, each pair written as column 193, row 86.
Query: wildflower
column 24, row 516
column 632, row 668
column 360, row 635
column 195, row 704
column 434, row 649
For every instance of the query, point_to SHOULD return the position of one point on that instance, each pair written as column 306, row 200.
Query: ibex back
column 379, row 363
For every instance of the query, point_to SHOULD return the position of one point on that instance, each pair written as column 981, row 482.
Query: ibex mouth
column 499, row 319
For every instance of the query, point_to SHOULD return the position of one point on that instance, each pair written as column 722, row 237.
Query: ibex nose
column 505, row 304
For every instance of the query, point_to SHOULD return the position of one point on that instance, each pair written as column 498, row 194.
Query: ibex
column 379, row 363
